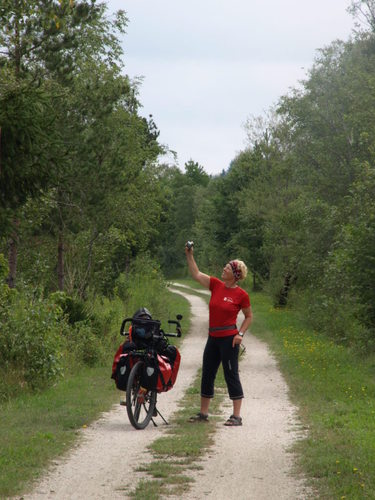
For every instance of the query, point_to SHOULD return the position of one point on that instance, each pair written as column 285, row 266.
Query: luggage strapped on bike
column 149, row 365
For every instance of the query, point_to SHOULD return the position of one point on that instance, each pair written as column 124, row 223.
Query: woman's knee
column 235, row 389
column 234, row 385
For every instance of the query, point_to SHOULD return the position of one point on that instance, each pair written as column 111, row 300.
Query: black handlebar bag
column 143, row 332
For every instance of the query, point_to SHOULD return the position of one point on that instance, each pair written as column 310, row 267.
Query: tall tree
column 35, row 37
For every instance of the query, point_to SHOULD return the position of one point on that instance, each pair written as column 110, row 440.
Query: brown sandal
column 199, row 417
column 233, row 421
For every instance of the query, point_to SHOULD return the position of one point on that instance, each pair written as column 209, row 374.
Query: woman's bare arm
column 237, row 339
column 202, row 278
column 247, row 320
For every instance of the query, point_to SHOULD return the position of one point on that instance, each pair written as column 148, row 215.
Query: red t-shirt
column 225, row 304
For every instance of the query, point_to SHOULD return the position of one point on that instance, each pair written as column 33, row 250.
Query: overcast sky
column 210, row 64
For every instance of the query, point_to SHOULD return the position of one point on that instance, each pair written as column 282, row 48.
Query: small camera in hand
column 189, row 245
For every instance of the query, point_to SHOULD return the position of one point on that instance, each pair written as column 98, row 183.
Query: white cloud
column 208, row 64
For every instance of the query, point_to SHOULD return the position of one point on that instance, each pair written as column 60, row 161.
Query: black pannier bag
column 156, row 374
column 160, row 374
column 122, row 364
column 123, row 368
column 150, row 373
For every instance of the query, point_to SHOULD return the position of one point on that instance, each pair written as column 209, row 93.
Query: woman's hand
column 189, row 251
column 237, row 339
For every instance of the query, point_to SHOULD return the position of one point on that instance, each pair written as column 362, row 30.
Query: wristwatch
column 241, row 334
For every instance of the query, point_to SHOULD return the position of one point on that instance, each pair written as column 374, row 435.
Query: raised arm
column 202, row 278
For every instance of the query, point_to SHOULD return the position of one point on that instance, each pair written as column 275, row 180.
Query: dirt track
column 248, row 462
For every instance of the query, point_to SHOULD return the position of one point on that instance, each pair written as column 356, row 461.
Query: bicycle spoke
column 141, row 404
column 137, row 411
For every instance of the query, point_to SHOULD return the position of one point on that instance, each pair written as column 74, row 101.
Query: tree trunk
column 86, row 278
column 289, row 279
column 60, row 262
column 0, row 151
column 13, row 243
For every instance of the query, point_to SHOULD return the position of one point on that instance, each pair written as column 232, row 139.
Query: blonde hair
column 242, row 267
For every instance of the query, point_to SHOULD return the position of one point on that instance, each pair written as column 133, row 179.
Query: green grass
column 36, row 428
column 335, row 391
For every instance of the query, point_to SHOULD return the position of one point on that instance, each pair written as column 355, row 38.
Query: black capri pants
column 219, row 350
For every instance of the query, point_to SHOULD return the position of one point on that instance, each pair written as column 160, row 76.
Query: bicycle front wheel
column 140, row 403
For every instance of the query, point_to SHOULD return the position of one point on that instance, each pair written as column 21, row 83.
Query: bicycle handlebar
column 178, row 334
column 156, row 323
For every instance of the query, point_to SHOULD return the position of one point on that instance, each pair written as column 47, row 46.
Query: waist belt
column 219, row 328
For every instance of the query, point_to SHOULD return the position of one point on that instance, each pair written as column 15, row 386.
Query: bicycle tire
column 140, row 408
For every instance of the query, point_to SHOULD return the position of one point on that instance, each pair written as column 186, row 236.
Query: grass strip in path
column 335, row 391
column 181, row 447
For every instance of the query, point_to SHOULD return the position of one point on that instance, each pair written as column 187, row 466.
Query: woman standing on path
column 227, row 299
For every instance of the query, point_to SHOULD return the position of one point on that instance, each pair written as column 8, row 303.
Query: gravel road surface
column 248, row 462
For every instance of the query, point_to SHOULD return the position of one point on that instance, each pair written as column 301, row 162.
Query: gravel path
column 249, row 462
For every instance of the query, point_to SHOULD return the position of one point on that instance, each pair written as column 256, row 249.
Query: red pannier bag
column 167, row 372
column 116, row 360
column 164, row 374
column 175, row 367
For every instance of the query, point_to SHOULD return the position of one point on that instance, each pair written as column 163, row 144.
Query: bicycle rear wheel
column 140, row 403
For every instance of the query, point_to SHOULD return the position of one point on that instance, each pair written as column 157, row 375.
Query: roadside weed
column 335, row 392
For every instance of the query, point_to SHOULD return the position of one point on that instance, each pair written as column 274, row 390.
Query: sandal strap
column 199, row 417
column 233, row 421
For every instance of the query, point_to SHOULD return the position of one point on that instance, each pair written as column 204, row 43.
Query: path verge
column 102, row 465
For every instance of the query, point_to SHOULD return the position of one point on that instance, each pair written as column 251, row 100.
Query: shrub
column 143, row 286
column 338, row 315
column 73, row 307
column 6, row 293
column 31, row 341
column 85, row 345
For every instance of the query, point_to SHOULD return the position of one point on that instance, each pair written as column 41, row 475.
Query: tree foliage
column 297, row 204
column 80, row 173
column 80, row 145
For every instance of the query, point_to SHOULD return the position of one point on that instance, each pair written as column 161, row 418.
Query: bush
column 72, row 307
column 338, row 315
column 143, row 286
column 40, row 338
column 31, row 341
column 6, row 293
column 85, row 345
column 87, row 333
